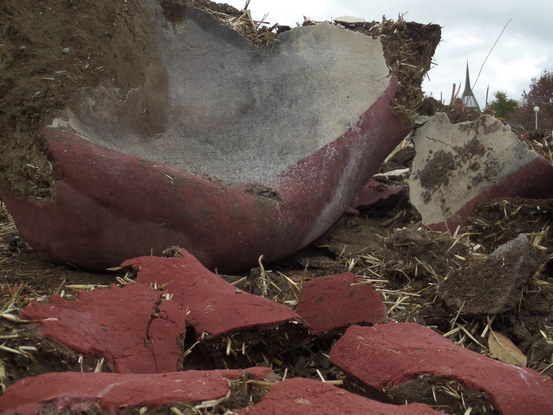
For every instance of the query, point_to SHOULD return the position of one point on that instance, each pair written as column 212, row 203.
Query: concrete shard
column 493, row 284
column 339, row 301
column 373, row 191
column 140, row 329
column 220, row 151
column 299, row 396
column 390, row 354
column 458, row 165
column 112, row 392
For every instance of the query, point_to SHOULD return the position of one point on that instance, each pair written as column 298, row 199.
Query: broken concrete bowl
column 228, row 150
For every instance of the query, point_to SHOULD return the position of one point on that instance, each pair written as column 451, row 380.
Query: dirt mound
column 49, row 52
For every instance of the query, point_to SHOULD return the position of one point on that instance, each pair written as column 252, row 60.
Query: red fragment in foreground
column 337, row 301
column 300, row 396
column 112, row 391
column 137, row 328
column 389, row 354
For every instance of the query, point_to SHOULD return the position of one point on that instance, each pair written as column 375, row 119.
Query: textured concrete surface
column 389, row 354
column 252, row 150
column 458, row 165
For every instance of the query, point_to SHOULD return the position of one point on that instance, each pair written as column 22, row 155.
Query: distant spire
column 469, row 100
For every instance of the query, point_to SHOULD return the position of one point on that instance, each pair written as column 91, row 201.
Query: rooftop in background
column 469, row 100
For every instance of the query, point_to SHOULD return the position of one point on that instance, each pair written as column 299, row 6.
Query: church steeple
column 469, row 100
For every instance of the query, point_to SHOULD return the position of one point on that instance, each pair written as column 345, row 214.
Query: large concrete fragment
column 71, row 392
column 388, row 355
column 228, row 150
column 305, row 396
column 149, row 326
column 459, row 165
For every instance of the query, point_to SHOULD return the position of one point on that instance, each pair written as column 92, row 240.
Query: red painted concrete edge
column 229, row 308
column 532, row 181
column 389, row 354
column 98, row 219
column 112, row 391
column 299, row 396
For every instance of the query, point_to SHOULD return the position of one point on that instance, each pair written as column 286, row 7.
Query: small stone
column 65, row 51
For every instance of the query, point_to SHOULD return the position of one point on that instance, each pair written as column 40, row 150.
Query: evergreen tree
column 502, row 106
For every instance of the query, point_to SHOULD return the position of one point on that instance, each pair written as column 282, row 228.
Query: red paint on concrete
column 389, row 354
column 136, row 328
column 109, row 206
column 205, row 300
column 373, row 191
column 532, row 181
column 112, row 391
column 111, row 323
column 338, row 301
column 305, row 396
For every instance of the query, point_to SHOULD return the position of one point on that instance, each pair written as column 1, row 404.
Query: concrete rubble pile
column 230, row 150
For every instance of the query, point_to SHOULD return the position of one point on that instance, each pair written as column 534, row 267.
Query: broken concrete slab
column 339, row 301
column 459, row 165
column 390, row 354
column 174, row 306
column 60, row 392
column 218, row 149
column 300, row 396
column 493, row 284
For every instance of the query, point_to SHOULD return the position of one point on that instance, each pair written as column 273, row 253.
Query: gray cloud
column 469, row 30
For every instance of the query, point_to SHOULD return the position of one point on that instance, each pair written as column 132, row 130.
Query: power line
column 490, row 52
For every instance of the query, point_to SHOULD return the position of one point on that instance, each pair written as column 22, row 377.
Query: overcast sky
column 469, row 29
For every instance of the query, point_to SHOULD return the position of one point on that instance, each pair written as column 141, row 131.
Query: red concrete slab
column 111, row 323
column 337, row 301
column 112, row 391
column 203, row 299
column 389, row 354
column 305, row 396
column 137, row 328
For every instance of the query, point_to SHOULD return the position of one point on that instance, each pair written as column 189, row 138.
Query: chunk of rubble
column 459, row 165
column 349, row 20
column 338, row 301
column 299, row 396
column 209, row 142
column 492, row 284
column 373, row 191
column 111, row 393
column 386, row 356
column 175, row 312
